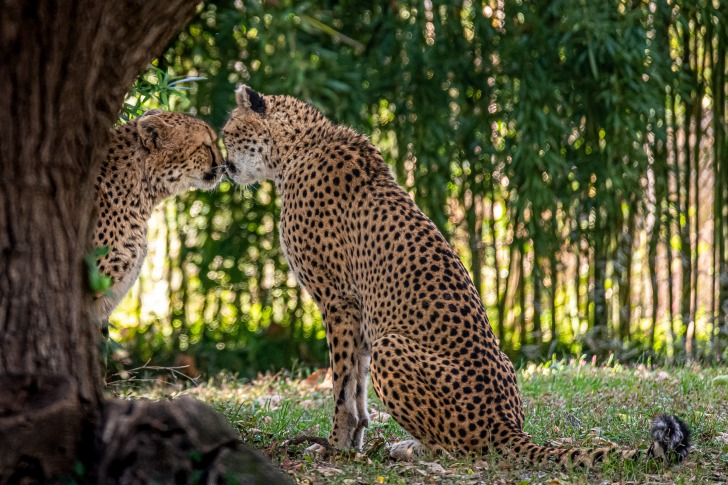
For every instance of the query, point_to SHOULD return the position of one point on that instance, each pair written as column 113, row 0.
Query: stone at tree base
column 180, row 441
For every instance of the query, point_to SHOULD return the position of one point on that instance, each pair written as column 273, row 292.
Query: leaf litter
column 566, row 405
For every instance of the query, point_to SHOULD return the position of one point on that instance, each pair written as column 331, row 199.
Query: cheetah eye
column 212, row 152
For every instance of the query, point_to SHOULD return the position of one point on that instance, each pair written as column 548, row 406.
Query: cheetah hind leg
column 403, row 382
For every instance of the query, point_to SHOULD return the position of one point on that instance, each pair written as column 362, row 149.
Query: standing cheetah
column 394, row 297
column 151, row 158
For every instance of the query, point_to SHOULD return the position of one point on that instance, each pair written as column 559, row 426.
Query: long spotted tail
column 670, row 442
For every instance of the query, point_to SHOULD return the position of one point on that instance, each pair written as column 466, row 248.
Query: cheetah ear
column 249, row 100
column 152, row 129
column 151, row 112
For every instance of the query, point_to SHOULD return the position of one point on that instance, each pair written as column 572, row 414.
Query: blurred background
column 573, row 152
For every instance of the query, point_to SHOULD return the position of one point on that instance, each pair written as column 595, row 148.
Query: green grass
column 565, row 404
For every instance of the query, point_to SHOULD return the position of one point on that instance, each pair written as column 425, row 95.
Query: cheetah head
column 183, row 153
column 247, row 139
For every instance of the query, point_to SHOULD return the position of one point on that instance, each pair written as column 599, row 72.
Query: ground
column 565, row 403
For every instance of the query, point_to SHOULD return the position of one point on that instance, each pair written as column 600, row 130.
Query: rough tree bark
column 66, row 67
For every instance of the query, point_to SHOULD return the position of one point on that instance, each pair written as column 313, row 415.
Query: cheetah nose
column 230, row 167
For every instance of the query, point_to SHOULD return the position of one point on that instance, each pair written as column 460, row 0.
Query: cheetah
column 396, row 301
column 158, row 155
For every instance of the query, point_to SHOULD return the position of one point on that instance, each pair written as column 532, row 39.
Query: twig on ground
column 174, row 371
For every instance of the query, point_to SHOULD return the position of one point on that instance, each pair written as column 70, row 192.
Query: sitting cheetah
column 158, row 155
column 395, row 298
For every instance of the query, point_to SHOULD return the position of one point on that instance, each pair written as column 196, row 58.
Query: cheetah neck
column 302, row 133
column 153, row 192
column 297, row 128
column 127, row 167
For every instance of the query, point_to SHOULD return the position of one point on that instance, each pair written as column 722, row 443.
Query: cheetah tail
column 670, row 438
column 670, row 443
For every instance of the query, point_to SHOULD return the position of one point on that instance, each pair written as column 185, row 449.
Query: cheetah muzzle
column 394, row 297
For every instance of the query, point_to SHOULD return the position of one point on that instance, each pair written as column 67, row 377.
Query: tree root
column 39, row 421
column 181, row 441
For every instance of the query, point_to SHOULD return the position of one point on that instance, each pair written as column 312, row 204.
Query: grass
column 566, row 404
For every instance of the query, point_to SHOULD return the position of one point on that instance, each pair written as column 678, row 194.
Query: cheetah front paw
column 406, row 450
column 348, row 432
column 358, row 439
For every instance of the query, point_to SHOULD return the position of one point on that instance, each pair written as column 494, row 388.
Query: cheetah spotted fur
column 394, row 297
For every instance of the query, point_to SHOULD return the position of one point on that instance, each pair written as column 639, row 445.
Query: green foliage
column 545, row 139
column 156, row 88
column 98, row 283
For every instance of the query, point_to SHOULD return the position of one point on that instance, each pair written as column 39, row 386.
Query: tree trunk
column 670, row 285
column 660, row 176
column 552, row 300
column 66, row 68
column 660, row 212
column 685, row 243
column 600, row 331
column 723, row 266
column 720, row 194
column 654, row 232
column 581, row 309
column 625, row 256
column 721, row 237
column 509, row 297
column 700, row 68
column 522, row 328
column 537, row 333
column 496, row 264
column 676, row 219
column 474, row 222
